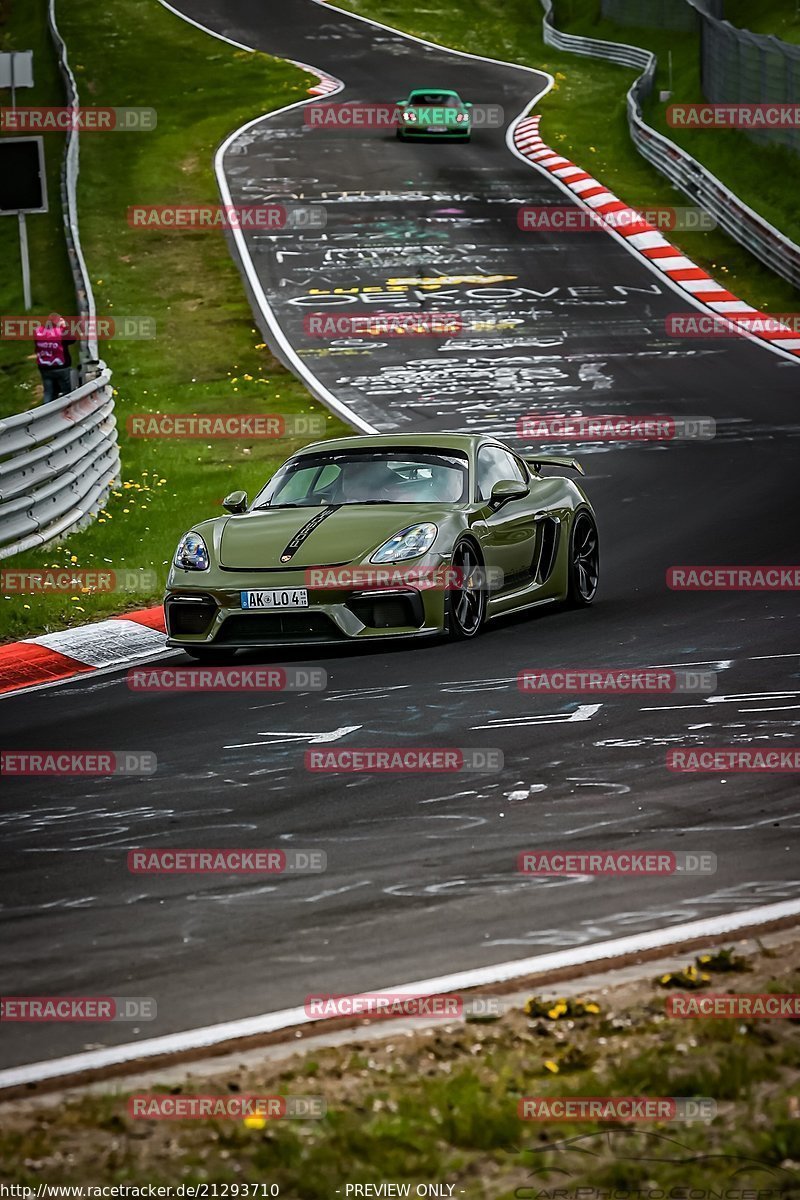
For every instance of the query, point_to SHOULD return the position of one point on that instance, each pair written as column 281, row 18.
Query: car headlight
column 408, row 543
column 192, row 553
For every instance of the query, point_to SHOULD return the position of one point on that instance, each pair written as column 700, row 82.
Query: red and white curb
column 645, row 239
column 325, row 86
column 56, row 657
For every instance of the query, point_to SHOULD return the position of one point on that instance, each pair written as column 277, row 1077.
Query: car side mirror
column 236, row 502
column 507, row 489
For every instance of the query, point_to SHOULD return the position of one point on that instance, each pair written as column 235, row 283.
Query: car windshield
column 440, row 99
column 368, row 477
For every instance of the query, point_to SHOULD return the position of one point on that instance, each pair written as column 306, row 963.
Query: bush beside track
column 440, row 1105
column 207, row 356
column 584, row 118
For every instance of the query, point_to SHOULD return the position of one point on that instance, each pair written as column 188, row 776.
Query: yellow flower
column 255, row 1122
column 73, row 558
column 551, row 1066
column 592, row 1008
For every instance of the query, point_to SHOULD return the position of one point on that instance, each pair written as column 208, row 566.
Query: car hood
column 316, row 537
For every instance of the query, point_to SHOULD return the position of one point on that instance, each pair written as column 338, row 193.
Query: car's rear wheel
column 465, row 603
column 584, row 560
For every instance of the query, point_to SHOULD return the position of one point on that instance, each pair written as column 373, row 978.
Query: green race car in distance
column 379, row 537
column 434, row 113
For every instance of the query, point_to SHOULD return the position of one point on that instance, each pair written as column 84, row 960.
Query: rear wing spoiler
column 553, row 460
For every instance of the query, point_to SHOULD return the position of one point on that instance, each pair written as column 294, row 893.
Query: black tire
column 584, row 560
column 465, row 606
column 208, row 654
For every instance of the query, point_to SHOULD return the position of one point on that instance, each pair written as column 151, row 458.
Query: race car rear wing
column 553, row 460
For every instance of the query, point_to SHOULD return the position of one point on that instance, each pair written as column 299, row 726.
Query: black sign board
column 23, row 187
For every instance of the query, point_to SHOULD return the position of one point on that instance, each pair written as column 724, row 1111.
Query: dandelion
column 551, row 1066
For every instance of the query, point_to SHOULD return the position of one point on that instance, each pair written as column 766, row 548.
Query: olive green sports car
column 383, row 536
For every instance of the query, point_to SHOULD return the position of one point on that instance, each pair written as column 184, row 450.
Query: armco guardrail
column 57, row 463
column 752, row 231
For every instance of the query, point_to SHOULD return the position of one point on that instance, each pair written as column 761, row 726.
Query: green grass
column 207, row 355
column 585, row 88
column 764, row 176
column 23, row 26
column 778, row 17
column 441, row 1106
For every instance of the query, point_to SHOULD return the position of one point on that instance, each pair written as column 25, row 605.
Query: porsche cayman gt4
column 382, row 537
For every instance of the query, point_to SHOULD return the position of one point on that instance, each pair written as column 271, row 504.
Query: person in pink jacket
column 53, row 357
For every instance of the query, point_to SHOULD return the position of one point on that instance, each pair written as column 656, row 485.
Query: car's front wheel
column 584, row 560
column 465, row 603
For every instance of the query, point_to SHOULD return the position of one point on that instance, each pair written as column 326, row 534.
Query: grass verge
column 441, row 1106
column 207, row 356
column 584, row 117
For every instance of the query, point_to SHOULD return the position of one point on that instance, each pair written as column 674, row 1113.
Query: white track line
column 214, row 1035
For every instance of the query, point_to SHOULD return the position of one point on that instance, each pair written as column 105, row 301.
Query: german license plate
column 276, row 598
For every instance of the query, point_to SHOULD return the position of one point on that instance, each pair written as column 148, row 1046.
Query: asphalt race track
column 421, row 875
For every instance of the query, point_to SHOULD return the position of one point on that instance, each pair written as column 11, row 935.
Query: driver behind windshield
column 362, row 481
